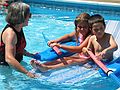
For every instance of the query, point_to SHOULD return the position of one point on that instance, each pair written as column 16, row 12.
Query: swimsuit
column 21, row 43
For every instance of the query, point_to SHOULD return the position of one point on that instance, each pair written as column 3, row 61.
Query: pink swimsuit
column 81, row 55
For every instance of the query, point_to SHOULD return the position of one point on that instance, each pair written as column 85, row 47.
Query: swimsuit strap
column 80, row 38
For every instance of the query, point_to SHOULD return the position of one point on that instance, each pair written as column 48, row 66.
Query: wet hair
column 96, row 19
column 81, row 19
column 82, row 16
column 17, row 13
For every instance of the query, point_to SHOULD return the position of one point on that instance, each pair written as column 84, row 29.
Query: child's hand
column 101, row 55
column 84, row 50
column 103, row 52
column 51, row 41
column 55, row 44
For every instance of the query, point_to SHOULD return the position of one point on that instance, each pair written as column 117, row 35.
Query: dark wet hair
column 82, row 16
column 17, row 13
column 96, row 19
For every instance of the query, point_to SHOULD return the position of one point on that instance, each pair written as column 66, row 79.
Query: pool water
column 53, row 22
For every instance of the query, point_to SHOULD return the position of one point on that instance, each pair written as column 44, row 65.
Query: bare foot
column 37, row 65
column 33, row 63
column 42, row 67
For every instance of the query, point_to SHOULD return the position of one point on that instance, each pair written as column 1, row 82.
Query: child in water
column 82, row 34
column 75, row 34
column 102, row 44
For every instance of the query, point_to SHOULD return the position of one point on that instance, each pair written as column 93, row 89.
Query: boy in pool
column 81, row 30
column 102, row 43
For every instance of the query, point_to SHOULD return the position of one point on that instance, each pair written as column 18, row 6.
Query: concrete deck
column 110, row 1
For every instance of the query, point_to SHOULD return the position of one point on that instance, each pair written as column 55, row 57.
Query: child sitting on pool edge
column 82, row 29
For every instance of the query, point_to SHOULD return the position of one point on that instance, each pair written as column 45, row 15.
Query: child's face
column 83, row 28
column 98, row 29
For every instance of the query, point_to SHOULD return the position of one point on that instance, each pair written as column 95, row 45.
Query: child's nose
column 99, row 30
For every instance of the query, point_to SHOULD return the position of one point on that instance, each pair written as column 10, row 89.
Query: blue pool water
column 53, row 22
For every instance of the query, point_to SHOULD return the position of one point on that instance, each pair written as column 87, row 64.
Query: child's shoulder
column 108, row 34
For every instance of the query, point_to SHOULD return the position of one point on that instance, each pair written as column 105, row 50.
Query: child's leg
column 53, row 62
column 62, row 60
column 80, row 60
column 75, row 56
column 49, row 65
column 44, row 67
column 33, row 62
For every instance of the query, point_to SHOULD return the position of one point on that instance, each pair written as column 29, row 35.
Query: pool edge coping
column 80, row 2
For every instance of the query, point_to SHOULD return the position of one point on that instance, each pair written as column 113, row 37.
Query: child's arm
column 89, row 46
column 66, row 37
column 113, row 46
column 107, row 52
column 93, row 46
column 76, row 49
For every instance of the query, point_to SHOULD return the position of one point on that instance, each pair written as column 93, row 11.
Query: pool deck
column 106, row 1
column 103, row 1
column 96, row 5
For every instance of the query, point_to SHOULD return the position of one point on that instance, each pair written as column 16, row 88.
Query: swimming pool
column 53, row 22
